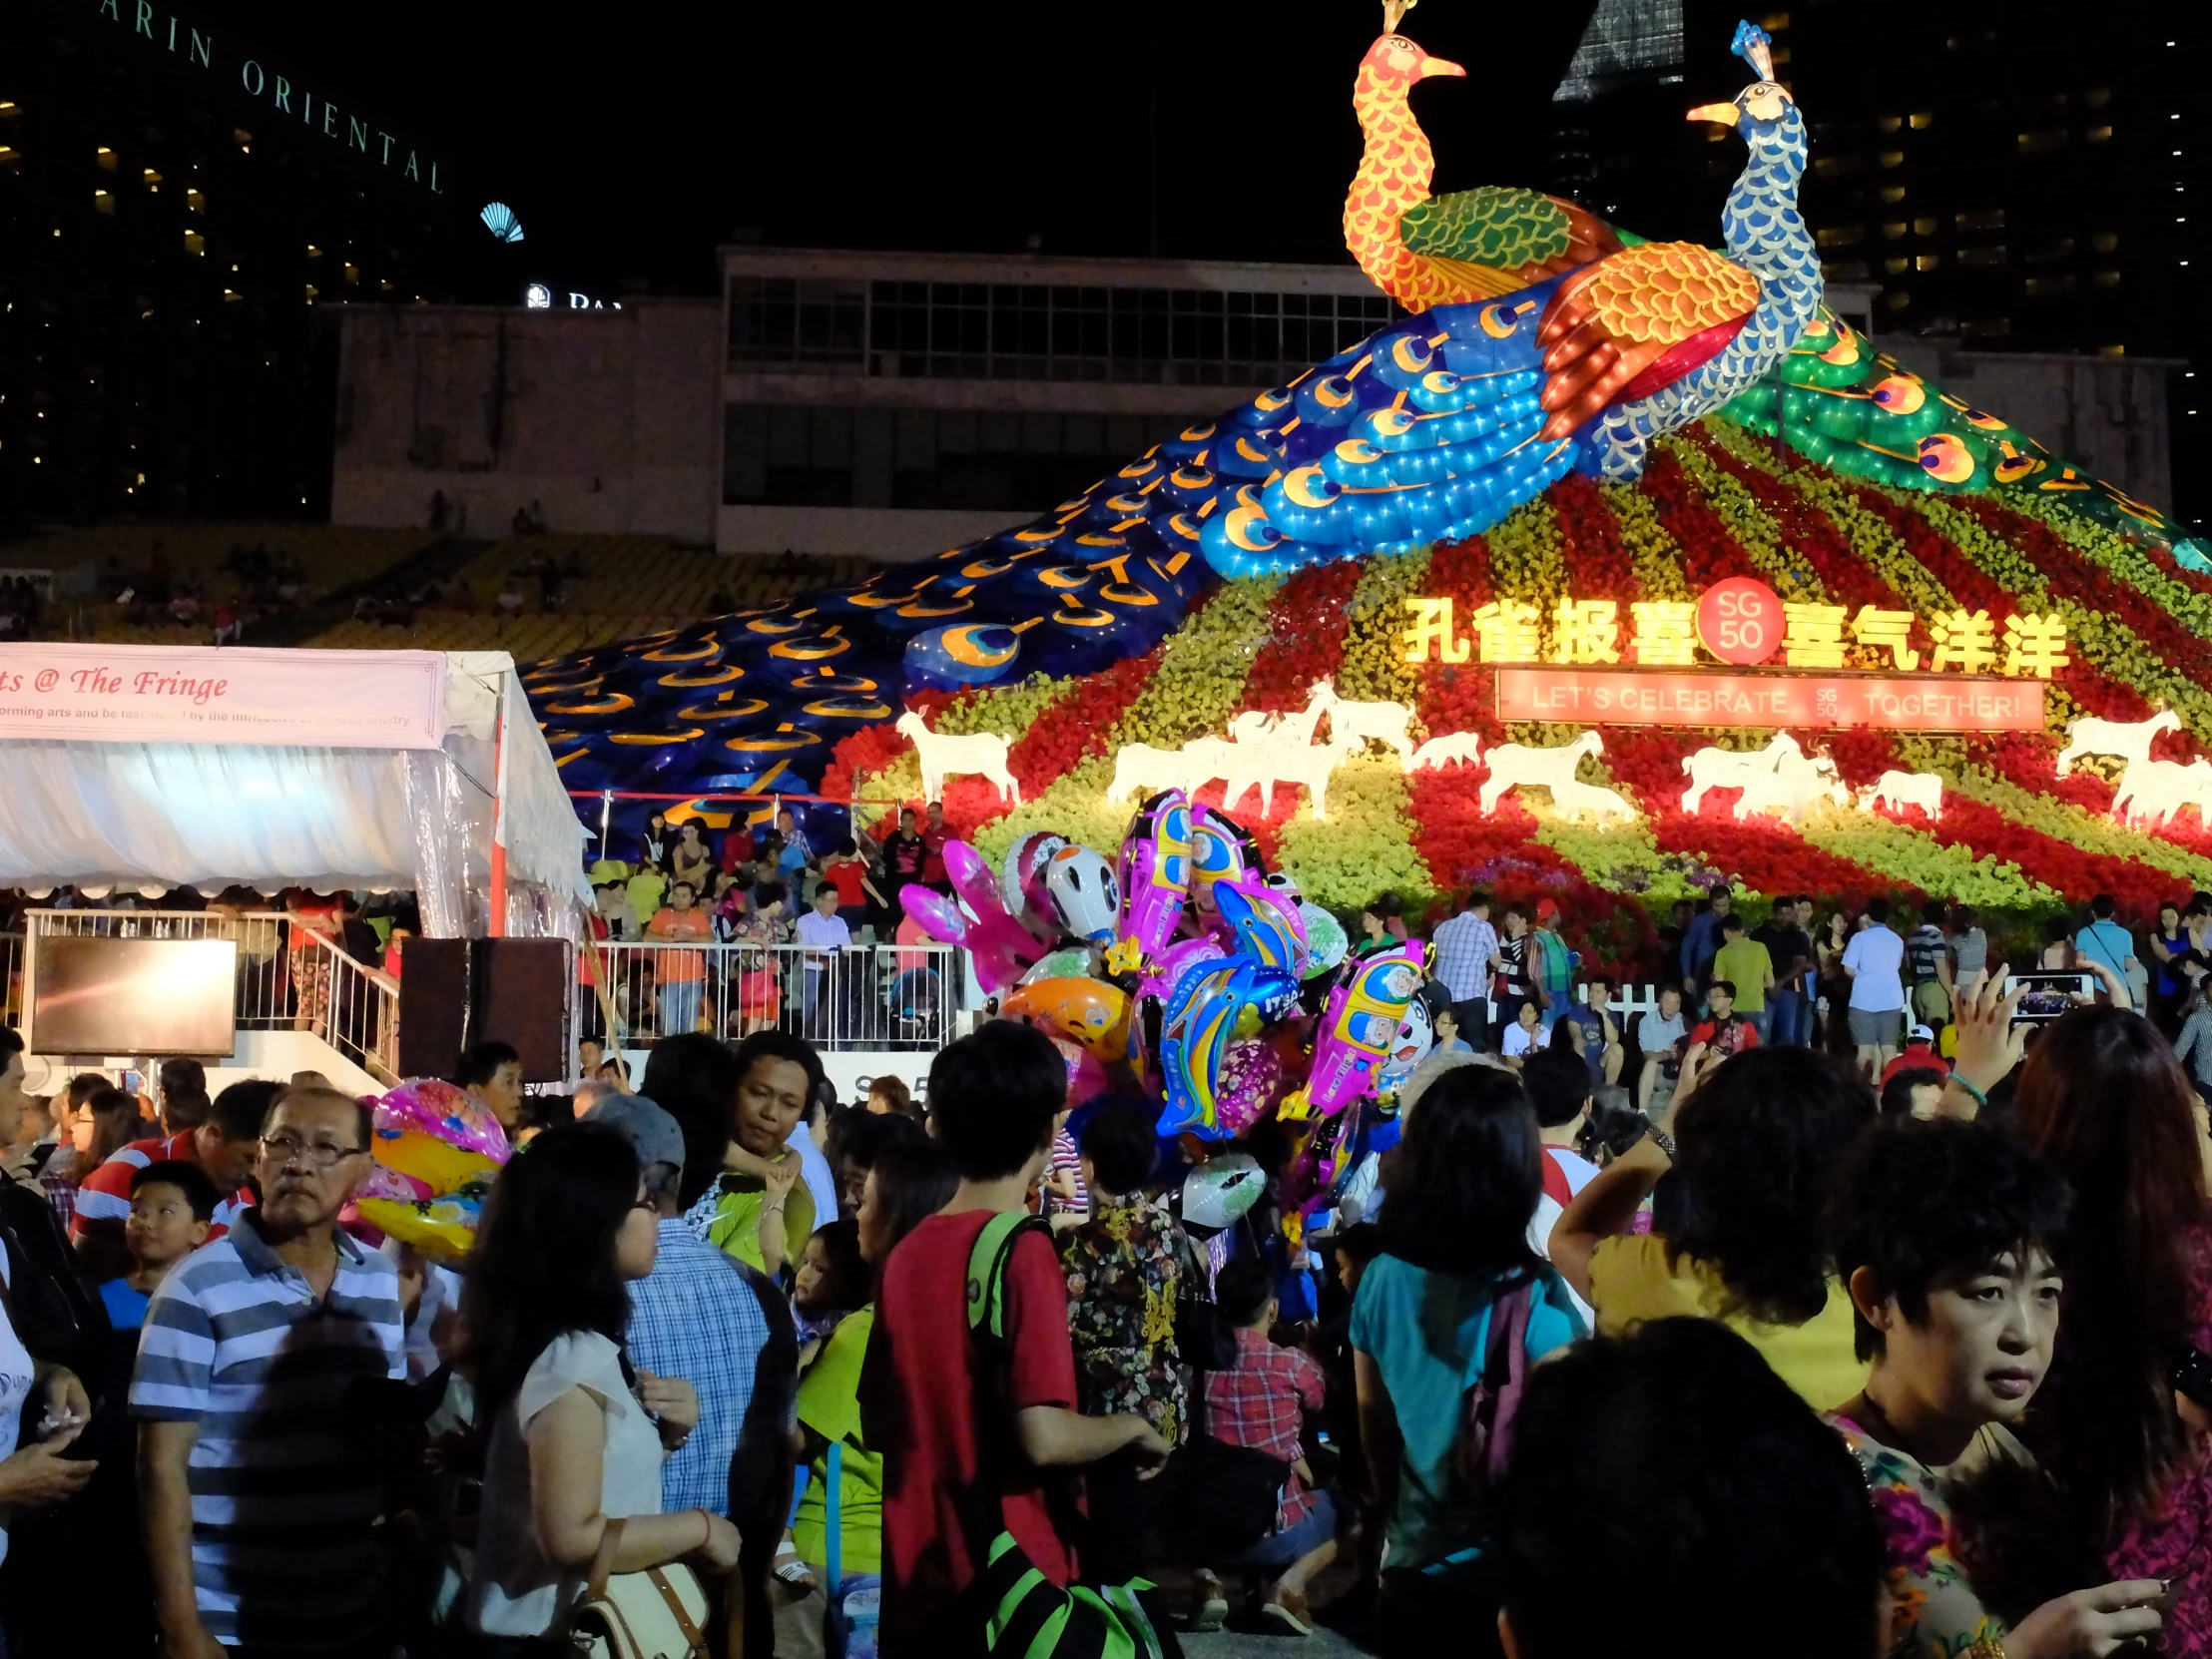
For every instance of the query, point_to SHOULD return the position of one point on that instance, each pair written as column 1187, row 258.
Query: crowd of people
column 767, row 886
column 904, row 1380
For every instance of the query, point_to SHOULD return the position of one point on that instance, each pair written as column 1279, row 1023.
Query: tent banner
column 235, row 695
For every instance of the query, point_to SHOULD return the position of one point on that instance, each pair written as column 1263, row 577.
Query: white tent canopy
column 402, row 793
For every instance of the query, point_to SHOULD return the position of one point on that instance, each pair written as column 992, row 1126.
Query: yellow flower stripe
column 1748, row 521
column 2068, row 822
column 1656, row 557
column 1528, row 557
column 1010, row 708
column 1913, row 859
column 1365, row 848
column 1874, row 542
column 1620, row 859
column 1073, row 806
column 1375, row 665
column 1201, row 679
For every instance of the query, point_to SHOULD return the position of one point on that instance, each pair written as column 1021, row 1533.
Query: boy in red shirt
column 951, row 1467
column 225, row 1146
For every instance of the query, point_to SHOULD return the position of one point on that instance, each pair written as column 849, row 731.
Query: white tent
column 209, row 767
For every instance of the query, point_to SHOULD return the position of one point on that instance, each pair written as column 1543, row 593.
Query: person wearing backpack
column 977, row 1427
column 1436, row 1362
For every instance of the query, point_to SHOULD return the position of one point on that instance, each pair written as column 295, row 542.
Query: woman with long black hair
column 576, row 1437
column 2104, row 1099
column 1455, row 1234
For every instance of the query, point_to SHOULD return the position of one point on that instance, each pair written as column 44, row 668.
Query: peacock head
column 1394, row 64
column 1763, row 113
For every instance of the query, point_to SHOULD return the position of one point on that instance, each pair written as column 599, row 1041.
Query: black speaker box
column 459, row 993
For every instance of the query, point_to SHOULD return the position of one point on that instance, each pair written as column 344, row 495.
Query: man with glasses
column 260, row 1487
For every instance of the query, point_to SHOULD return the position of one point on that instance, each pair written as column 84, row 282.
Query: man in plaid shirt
column 1261, row 1403
column 1466, row 955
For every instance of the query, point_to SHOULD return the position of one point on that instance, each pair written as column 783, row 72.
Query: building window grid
column 1025, row 331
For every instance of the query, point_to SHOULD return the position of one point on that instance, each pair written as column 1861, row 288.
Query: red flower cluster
column 1599, row 565
column 868, row 750
column 1079, row 724
column 1765, row 855
column 1806, row 530
column 1709, row 551
column 1464, row 849
column 1306, row 636
column 1964, row 579
column 2138, row 887
column 1459, row 696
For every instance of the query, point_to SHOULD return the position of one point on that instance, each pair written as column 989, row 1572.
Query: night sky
column 633, row 141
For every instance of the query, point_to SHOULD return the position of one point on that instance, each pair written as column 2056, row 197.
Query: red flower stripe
column 1079, row 724
column 1709, row 552
column 1463, row 850
column 1764, row 856
column 1460, row 697
column 1306, row 636
column 1805, row 528
column 1599, row 565
column 2138, row 887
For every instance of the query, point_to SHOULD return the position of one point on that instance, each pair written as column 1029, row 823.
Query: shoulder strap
column 603, row 1561
column 986, row 1273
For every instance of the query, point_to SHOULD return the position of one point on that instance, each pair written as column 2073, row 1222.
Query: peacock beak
column 1439, row 66
column 1726, row 114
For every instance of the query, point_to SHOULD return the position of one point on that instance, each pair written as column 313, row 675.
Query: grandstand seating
column 329, row 556
column 624, row 586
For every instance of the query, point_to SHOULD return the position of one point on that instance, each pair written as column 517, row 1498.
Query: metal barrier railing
column 290, row 975
column 893, row 996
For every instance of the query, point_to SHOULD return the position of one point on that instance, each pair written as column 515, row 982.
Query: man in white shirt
column 822, row 930
column 1872, row 961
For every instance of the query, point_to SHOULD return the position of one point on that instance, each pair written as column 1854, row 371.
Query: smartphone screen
column 2047, row 995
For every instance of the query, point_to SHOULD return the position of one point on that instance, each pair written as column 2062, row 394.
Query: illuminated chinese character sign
column 1881, row 677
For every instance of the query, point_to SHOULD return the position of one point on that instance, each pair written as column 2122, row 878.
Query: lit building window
column 194, row 242
column 103, row 200
column 1928, row 262
column 1922, row 120
column 105, row 157
column 195, row 201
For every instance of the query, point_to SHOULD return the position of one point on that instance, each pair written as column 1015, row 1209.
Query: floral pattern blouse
column 1937, row 1614
column 1121, row 1266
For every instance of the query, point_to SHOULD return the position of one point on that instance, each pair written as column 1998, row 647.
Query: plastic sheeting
column 103, row 814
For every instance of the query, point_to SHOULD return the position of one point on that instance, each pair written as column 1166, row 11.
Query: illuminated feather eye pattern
column 1944, row 456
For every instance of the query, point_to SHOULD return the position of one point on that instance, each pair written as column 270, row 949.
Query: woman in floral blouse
column 1122, row 1267
column 1943, row 1233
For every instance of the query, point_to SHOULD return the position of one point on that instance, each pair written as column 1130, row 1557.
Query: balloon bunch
column 437, row 1150
column 1186, row 971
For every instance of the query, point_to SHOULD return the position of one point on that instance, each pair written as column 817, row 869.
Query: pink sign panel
column 1897, row 701
column 236, row 695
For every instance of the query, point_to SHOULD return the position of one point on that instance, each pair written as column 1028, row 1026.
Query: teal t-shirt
column 1426, row 1330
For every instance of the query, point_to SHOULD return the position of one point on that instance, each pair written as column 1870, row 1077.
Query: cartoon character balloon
column 1359, row 1026
column 1089, row 1012
column 1156, row 870
column 1022, row 882
column 1084, row 892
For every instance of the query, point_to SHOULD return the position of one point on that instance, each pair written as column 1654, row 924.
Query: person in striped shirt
column 225, row 1146
column 260, row 1488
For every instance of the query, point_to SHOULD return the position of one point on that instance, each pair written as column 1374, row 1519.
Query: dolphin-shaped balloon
column 1267, row 928
column 1202, row 1014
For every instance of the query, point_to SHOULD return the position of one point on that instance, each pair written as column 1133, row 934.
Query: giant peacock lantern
column 1537, row 340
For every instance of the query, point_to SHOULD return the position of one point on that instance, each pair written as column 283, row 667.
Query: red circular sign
column 1739, row 619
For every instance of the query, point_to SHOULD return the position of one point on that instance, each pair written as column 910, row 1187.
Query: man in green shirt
column 1744, row 961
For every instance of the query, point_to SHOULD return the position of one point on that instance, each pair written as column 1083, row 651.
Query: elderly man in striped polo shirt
column 259, row 1487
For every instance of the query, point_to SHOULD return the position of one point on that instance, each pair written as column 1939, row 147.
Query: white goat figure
column 1579, row 799
column 1514, row 764
column 1386, row 723
column 1899, row 789
column 1729, row 769
column 2128, row 740
column 1311, row 767
column 2152, row 791
column 945, row 754
column 1794, row 785
column 1464, row 748
column 1138, row 766
column 1252, row 725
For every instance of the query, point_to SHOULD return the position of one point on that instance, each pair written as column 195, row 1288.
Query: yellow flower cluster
column 1912, row 858
column 1657, row 560
column 1375, row 663
column 1620, row 859
column 1009, row 709
column 2193, row 610
column 1201, row 679
column 1875, row 543
column 1366, row 848
column 1528, row 556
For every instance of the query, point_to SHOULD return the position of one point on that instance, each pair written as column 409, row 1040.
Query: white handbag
column 660, row 1613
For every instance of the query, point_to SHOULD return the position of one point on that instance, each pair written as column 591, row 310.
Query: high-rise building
column 175, row 204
